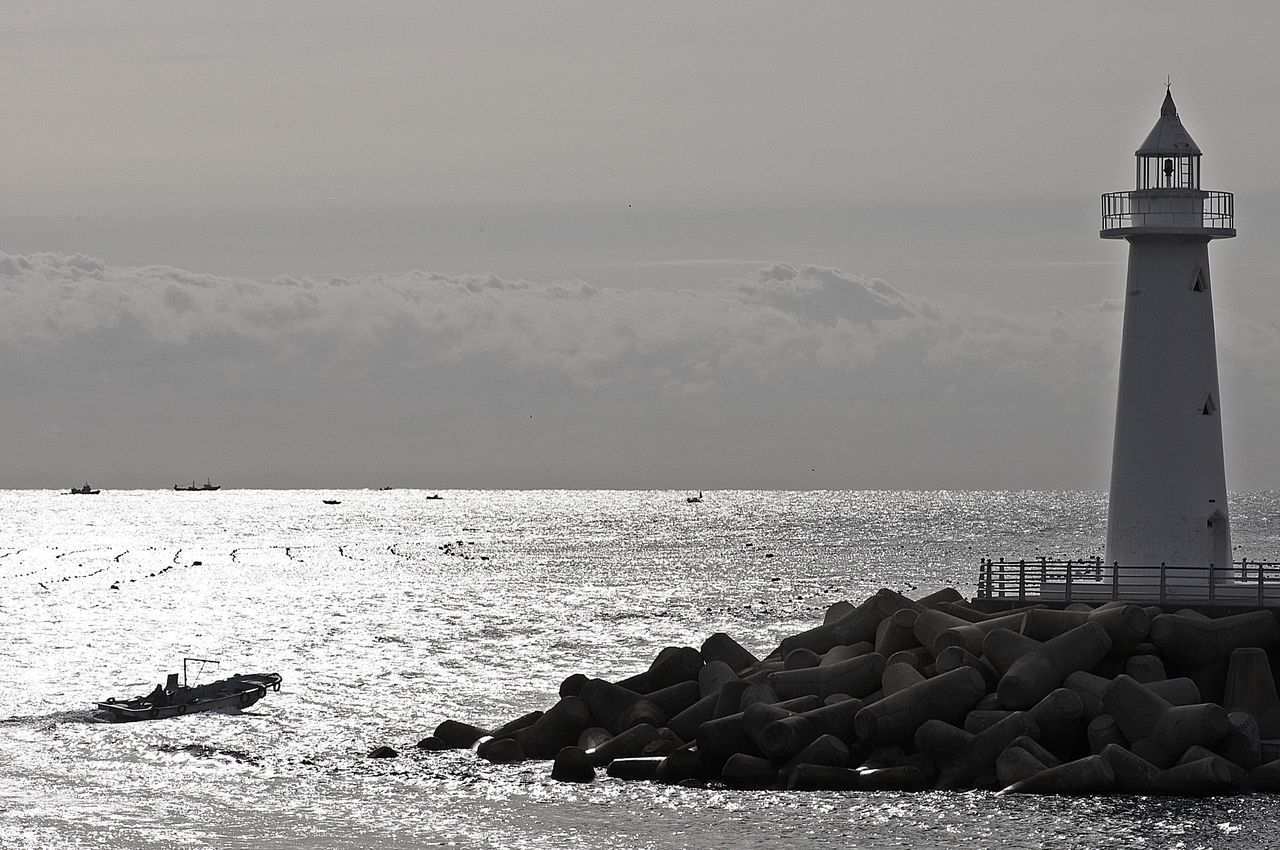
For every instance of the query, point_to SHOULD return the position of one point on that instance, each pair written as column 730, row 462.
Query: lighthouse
column 1168, row 500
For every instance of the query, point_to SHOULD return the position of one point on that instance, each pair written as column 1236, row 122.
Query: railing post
column 1001, row 593
column 1115, row 581
column 1162, row 581
column 1044, row 574
column 1067, row 597
column 1261, row 594
column 1022, row 582
column 1212, row 583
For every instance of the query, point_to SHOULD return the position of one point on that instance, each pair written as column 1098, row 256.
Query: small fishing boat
column 171, row 700
column 207, row 486
column 331, row 501
column 86, row 490
column 693, row 500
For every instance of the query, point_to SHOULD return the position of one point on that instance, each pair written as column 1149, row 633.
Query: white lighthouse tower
column 1168, row 487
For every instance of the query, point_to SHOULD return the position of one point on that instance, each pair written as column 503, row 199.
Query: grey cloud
column 359, row 371
column 780, row 321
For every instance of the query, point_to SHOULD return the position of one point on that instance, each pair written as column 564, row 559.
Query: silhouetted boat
column 694, row 499
column 331, row 501
column 207, row 485
column 237, row 692
column 434, row 496
column 84, row 491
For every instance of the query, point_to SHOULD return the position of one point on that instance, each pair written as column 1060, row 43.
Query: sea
column 392, row 611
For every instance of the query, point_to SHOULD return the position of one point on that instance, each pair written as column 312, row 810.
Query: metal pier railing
column 1093, row 580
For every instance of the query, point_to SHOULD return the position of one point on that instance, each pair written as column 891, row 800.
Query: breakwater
column 932, row 693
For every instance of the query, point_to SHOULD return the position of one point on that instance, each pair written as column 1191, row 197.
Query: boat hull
column 234, row 694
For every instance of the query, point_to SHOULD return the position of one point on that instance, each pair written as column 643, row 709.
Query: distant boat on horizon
column 207, row 485
column 331, row 501
column 693, row 500
column 86, row 490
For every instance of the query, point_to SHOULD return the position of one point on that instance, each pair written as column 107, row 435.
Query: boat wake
column 52, row 719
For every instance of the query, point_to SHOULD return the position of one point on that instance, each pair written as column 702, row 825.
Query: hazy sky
column 605, row 244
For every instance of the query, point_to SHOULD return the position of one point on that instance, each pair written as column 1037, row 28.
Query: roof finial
column 1167, row 109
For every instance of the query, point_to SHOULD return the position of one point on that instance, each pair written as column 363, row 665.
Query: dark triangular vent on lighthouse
column 1199, row 285
column 1209, row 406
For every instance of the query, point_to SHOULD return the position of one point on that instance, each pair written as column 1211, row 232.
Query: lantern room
column 1167, row 198
column 1169, row 158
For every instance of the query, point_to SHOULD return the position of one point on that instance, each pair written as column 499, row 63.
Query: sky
column 604, row 244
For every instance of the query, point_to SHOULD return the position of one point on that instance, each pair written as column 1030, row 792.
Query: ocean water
column 390, row 612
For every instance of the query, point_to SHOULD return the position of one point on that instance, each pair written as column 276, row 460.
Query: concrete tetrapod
column 1159, row 731
column 897, row 631
column 629, row 744
column 1188, row 643
column 1239, row 776
column 1243, row 742
column 899, row 676
column 1091, row 687
column 858, row 625
column 673, row 664
column 895, row 719
column 458, row 736
column 713, row 676
column 1126, row 625
column 825, row 750
column 787, row 736
column 1104, row 730
column 722, row 737
column 572, row 765
column 952, row 657
column 555, row 730
column 1145, row 668
column 680, row 766
column 1015, row 764
column 798, row 659
column 1022, row 759
column 963, row 758
column 844, row 652
column 941, row 597
column 856, row 677
column 686, row 723
column 1250, row 688
column 930, row 624
column 1058, row 717
column 972, row 636
column 721, row 647
column 634, row 768
column 594, row 736
column 1089, row 775
column 611, row 706
column 1035, row 673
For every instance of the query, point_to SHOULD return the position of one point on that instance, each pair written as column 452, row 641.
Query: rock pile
column 901, row 694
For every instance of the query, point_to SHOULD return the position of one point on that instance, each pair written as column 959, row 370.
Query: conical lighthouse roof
column 1168, row 137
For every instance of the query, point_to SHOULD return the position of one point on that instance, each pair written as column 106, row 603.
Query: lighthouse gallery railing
column 1166, row 208
column 1093, row 580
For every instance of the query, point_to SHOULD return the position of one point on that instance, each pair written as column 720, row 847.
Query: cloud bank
column 792, row 376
